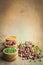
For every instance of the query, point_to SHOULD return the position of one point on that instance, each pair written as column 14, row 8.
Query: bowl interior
column 10, row 51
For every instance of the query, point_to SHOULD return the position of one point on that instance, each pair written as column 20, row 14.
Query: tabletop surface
column 19, row 61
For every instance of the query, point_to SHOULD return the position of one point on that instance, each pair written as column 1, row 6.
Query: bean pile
column 10, row 43
column 29, row 51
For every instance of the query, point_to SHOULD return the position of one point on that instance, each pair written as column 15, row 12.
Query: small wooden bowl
column 10, row 56
column 11, row 38
column 13, row 46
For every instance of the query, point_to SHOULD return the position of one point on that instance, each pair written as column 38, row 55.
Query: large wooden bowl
column 10, row 56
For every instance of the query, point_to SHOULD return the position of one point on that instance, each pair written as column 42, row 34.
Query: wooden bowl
column 13, row 46
column 10, row 56
column 11, row 38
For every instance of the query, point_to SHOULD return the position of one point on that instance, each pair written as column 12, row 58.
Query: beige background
column 23, row 18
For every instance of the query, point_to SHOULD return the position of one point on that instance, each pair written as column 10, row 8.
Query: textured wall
column 23, row 18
